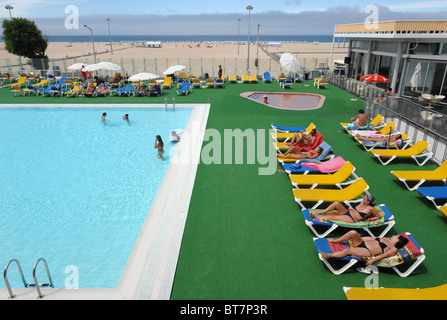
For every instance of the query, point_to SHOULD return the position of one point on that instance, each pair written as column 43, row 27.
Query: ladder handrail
column 39, row 294
column 11, row 295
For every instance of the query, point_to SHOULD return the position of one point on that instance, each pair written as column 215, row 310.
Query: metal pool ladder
column 29, row 285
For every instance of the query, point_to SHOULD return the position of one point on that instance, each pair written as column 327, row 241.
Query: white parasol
column 143, row 76
column 103, row 66
column 416, row 78
column 289, row 63
column 173, row 69
column 77, row 66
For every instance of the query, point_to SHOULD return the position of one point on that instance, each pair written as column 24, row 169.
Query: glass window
column 424, row 48
column 388, row 46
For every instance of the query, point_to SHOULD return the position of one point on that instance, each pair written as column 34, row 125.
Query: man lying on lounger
column 395, row 140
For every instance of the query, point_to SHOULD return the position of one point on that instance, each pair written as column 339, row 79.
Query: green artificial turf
column 245, row 236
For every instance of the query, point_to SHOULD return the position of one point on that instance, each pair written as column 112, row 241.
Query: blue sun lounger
column 266, row 77
column 412, row 251
column 434, row 194
column 287, row 129
column 321, row 227
column 186, row 88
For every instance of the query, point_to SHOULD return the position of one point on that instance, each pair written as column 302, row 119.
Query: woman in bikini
column 364, row 211
column 312, row 154
column 377, row 248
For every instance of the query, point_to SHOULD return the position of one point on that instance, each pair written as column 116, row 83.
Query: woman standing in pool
column 160, row 145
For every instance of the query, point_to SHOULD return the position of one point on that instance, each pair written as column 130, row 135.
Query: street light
column 238, row 31
column 249, row 8
column 93, row 41
column 257, row 48
column 110, row 37
column 8, row 7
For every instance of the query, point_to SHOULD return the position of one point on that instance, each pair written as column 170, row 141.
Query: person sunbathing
column 312, row 154
column 297, row 144
column 394, row 140
column 364, row 211
column 376, row 248
column 361, row 119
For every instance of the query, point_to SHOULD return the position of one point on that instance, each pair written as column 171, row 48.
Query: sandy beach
column 201, row 56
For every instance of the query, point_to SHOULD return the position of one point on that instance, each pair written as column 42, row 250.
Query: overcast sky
column 210, row 17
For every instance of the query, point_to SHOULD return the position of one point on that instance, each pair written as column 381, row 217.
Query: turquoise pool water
column 75, row 191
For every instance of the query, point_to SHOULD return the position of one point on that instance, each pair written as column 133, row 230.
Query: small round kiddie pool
column 287, row 100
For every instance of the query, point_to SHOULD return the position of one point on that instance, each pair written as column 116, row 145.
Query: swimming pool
column 287, row 100
column 77, row 192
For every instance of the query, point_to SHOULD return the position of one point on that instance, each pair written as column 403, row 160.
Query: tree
column 23, row 38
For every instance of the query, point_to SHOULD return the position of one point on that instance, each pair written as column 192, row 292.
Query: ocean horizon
column 189, row 38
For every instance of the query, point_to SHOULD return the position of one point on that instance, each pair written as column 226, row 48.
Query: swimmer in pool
column 175, row 136
column 160, row 145
column 266, row 100
column 103, row 118
column 126, row 117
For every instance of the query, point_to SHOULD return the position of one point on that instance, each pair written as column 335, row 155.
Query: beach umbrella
column 143, row 76
column 173, row 69
column 103, row 66
column 375, row 78
column 289, row 63
column 416, row 77
column 77, row 66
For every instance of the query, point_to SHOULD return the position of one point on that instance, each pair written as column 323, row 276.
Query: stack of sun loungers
column 331, row 179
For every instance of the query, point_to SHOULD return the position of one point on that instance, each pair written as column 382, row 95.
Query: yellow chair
column 286, row 136
column 75, row 91
column 353, row 191
column 245, row 78
column 337, row 179
column 253, row 79
column 17, row 89
column 19, row 82
column 377, row 122
column 41, row 83
column 195, row 83
column 167, row 83
column 443, row 209
column 389, row 127
column 435, row 293
column 419, row 149
column 368, row 145
column 421, row 176
column 320, row 82
column 232, row 78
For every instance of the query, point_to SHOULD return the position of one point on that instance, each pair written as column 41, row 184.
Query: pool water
column 76, row 191
column 287, row 100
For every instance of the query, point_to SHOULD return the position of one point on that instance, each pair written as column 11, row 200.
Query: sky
column 210, row 17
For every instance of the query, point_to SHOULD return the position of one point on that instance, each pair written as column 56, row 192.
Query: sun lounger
column 421, row 176
column 266, row 77
column 329, row 166
column 210, row 83
column 253, row 78
column 74, row 92
column 376, row 123
column 128, row 90
column 321, row 226
column 291, row 129
column 418, row 150
column 325, row 154
column 19, row 82
column 286, row 136
column 185, row 89
column 320, row 83
column 245, row 78
column 353, row 191
column 443, row 209
column 337, row 179
column 433, row 293
column 388, row 128
column 434, row 194
column 167, row 83
column 368, row 145
column 219, row 83
column 232, row 78
column 411, row 252
column 286, row 84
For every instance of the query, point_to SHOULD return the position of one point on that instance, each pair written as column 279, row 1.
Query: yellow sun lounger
column 232, row 78
column 19, row 82
column 353, row 191
column 368, row 145
column 338, row 179
column 443, row 209
column 245, row 78
column 253, row 79
column 167, row 83
column 377, row 122
column 435, row 293
column 419, row 149
column 421, row 176
column 389, row 127
column 287, row 136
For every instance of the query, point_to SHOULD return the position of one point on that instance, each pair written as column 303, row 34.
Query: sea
column 189, row 38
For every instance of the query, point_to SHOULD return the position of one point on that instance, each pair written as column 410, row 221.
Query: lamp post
column 93, row 41
column 238, row 32
column 8, row 7
column 110, row 37
column 257, row 50
column 249, row 8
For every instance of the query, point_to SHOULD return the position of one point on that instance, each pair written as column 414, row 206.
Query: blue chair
column 127, row 90
column 185, row 89
column 266, row 77
column 434, row 194
column 287, row 129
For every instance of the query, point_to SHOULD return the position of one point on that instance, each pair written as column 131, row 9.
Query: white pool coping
column 150, row 269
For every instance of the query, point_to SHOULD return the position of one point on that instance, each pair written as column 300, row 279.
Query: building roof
column 394, row 29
